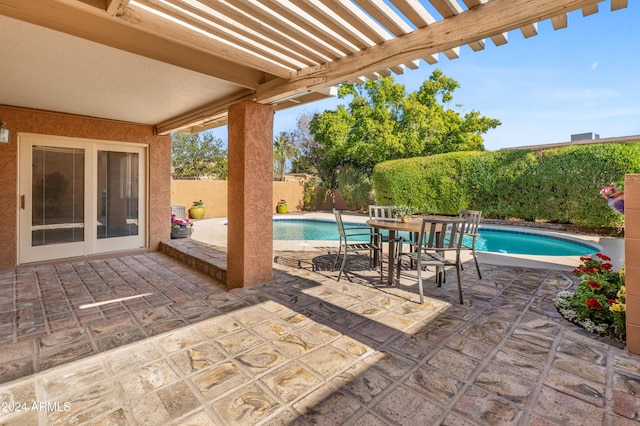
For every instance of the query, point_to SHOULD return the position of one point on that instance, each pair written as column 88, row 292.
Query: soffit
column 53, row 71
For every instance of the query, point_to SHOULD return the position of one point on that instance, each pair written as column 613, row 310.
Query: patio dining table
column 393, row 225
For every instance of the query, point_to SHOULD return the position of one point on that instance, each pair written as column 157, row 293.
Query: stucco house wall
column 24, row 120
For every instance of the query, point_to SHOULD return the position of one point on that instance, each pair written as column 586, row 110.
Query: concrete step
column 198, row 255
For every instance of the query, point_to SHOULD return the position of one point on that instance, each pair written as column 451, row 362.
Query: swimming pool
column 491, row 239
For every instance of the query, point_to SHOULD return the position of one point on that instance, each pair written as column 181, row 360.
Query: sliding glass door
column 79, row 197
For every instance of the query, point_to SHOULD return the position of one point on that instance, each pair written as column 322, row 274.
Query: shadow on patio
column 301, row 349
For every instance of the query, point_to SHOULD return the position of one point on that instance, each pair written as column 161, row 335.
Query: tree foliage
column 283, row 150
column 308, row 157
column 198, row 155
column 383, row 123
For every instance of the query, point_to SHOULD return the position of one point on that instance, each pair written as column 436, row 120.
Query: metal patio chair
column 348, row 246
column 470, row 229
column 437, row 237
column 380, row 212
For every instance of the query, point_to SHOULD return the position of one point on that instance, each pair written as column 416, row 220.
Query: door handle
column 22, row 201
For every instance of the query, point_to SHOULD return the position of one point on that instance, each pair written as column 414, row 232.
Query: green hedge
column 559, row 185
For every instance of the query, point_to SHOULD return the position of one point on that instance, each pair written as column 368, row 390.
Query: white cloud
column 595, row 65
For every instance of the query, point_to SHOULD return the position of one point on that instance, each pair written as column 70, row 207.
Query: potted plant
column 180, row 228
column 404, row 212
column 197, row 210
column 614, row 198
column 282, row 206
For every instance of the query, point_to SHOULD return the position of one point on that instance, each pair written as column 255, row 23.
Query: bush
column 559, row 185
column 356, row 188
column 599, row 302
column 315, row 194
column 434, row 184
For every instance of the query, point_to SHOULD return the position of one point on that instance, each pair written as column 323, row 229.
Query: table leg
column 392, row 254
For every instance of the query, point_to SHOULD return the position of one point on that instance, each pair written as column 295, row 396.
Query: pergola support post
column 250, row 195
column 632, row 259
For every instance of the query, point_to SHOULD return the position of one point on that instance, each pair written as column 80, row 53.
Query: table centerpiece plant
column 403, row 212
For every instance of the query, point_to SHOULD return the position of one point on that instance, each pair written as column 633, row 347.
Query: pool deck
column 214, row 231
column 302, row 349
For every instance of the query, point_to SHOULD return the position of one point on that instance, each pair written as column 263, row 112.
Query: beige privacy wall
column 214, row 195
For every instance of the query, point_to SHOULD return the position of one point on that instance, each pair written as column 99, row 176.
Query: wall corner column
column 250, row 194
column 632, row 259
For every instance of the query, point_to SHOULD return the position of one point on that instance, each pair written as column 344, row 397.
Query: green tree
column 283, row 150
column 383, row 123
column 198, row 155
column 307, row 158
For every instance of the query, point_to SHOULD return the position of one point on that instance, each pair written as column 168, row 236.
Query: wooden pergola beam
column 484, row 20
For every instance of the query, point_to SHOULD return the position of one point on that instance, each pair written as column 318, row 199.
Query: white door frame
column 91, row 244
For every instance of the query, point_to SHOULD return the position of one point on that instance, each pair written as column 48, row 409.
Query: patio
column 300, row 349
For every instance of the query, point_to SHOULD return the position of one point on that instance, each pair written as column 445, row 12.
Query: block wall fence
column 214, row 195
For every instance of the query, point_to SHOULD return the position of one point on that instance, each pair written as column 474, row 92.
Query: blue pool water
column 490, row 240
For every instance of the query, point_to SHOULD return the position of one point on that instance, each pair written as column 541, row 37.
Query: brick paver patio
column 302, row 349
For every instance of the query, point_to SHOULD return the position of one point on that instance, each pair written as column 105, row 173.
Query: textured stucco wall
column 250, row 231
column 23, row 120
column 632, row 259
column 212, row 192
column 214, row 195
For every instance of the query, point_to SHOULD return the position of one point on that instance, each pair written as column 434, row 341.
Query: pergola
column 201, row 56
column 191, row 65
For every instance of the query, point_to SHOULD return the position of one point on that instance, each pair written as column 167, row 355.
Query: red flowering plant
column 601, row 265
column 180, row 223
column 596, row 302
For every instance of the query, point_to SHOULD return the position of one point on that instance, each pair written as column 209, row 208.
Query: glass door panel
column 117, row 189
column 79, row 197
column 57, row 188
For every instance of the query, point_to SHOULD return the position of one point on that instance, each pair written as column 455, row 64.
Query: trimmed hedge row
column 560, row 185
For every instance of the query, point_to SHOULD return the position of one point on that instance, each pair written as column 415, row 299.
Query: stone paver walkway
column 302, row 349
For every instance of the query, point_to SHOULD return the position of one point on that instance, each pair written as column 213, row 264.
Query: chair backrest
column 472, row 220
column 338, row 215
column 380, row 212
column 441, row 233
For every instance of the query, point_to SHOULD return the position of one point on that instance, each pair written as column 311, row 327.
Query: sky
column 580, row 79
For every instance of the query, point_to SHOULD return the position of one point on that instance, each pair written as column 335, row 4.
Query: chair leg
column 477, row 265
column 335, row 261
column 459, row 285
column 377, row 255
column 440, row 275
column 420, row 284
column 344, row 262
